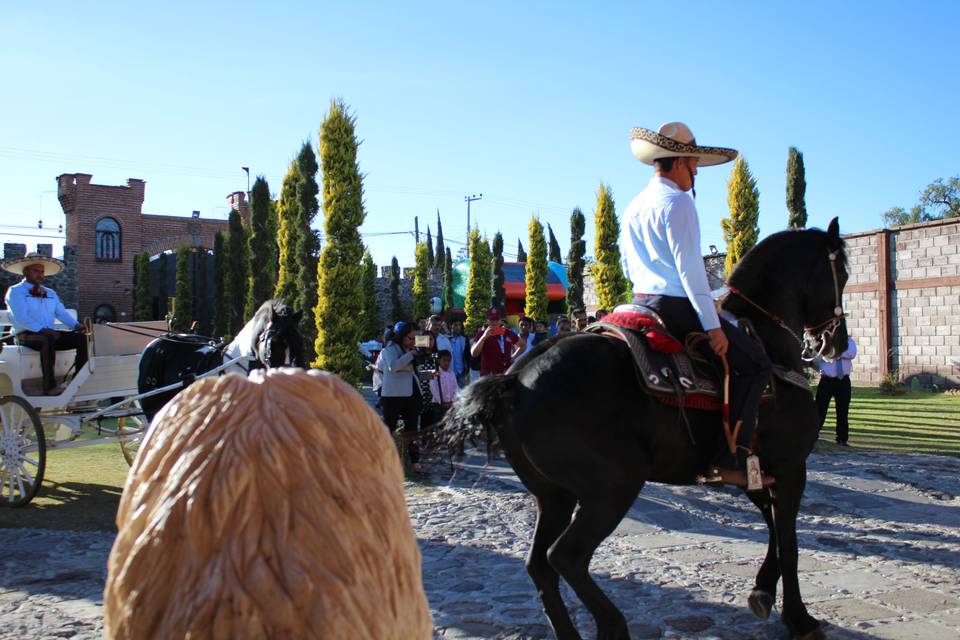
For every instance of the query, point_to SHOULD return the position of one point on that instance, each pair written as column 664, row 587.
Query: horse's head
column 281, row 341
column 825, row 327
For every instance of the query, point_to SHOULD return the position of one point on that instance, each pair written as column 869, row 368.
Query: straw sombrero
column 51, row 266
column 675, row 140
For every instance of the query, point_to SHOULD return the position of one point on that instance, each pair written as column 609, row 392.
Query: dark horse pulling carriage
column 584, row 445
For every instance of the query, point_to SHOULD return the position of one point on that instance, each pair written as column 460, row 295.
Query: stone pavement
column 879, row 537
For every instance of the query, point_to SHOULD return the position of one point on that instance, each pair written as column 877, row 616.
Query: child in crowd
column 443, row 385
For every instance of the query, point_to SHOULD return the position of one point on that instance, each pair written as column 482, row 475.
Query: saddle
column 670, row 371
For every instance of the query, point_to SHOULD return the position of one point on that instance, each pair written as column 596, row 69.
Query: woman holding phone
column 400, row 390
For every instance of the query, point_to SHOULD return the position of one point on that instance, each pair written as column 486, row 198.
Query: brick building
column 106, row 227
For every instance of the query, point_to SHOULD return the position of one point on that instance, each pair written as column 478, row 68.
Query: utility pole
column 468, row 200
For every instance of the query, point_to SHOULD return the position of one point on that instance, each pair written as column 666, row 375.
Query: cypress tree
column 262, row 256
column 796, row 190
column 575, row 262
column 201, row 307
column 421, row 282
column 143, row 307
column 308, row 247
column 521, row 254
column 440, row 257
column 288, row 217
column 499, row 293
column 183, row 300
column 370, row 319
column 536, row 280
column 555, row 255
column 221, row 310
column 429, row 249
column 740, row 230
column 611, row 284
column 479, row 284
column 395, row 302
column 238, row 270
column 163, row 289
column 339, row 271
column 447, row 279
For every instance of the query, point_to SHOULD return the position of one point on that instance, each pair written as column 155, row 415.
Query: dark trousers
column 48, row 344
column 749, row 365
column 839, row 390
column 407, row 408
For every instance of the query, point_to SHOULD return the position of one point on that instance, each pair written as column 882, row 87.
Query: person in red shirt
column 496, row 345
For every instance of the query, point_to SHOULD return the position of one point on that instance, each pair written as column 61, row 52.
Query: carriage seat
column 31, row 375
column 666, row 369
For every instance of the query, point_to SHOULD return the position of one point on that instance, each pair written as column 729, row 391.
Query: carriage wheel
column 23, row 452
column 130, row 432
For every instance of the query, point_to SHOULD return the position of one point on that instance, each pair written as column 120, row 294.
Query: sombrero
column 51, row 266
column 675, row 140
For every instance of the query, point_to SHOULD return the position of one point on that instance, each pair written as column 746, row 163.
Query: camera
column 421, row 342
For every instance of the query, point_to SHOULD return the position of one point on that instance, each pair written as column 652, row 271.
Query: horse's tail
column 482, row 407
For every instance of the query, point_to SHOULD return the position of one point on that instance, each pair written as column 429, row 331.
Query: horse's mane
column 783, row 247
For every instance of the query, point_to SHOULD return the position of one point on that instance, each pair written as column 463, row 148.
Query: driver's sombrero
column 51, row 266
column 675, row 140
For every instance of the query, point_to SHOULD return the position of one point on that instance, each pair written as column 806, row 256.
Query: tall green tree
column 479, row 283
column 221, row 310
column 339, row 271
column 612, row 286
column 554, row 247
column 740, row 230
column 163, row 286
column 143, row 307
column 308, row 246
column 395, row 302
column 238, row 271
column 521, row 254
column 370, row 318
column 260, row 243
column 940, row 199
column 448, row 280
column 440, row 255
column 796, row 189
column 288, row 232
column 499, row 278
column 201, row 301
column 183, row 299
column 575, row 260
column 421, row 281
column 429, row 248
column 536, row 280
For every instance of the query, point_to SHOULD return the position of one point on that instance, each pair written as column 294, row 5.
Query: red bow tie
column 37, row 292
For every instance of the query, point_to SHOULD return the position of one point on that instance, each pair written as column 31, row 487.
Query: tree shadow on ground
column 67, row 506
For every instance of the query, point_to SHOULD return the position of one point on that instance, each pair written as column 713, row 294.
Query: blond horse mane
column 263, row 508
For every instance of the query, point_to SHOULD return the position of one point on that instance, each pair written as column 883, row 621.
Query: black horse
column 584, row 438
column 271, row 338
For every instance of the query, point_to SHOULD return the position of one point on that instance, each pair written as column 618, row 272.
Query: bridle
column 827, row 329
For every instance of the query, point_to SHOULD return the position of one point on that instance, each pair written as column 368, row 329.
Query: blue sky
column 529, row 103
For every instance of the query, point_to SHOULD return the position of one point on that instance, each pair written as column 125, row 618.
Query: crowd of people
column 422, row 365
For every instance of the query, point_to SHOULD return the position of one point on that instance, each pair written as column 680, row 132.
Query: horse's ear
column 297, row 315
column 834, row 229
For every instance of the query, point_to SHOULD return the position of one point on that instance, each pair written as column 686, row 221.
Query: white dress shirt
column 33, row 313
column 660, row 248
column 841, row 366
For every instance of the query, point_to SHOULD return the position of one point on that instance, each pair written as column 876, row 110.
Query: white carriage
column 32, row 422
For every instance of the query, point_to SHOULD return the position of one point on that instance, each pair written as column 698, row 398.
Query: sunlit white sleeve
column 683, row 236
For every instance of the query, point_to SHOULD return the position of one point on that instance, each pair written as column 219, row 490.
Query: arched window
column 108, row 239
column 104, row 313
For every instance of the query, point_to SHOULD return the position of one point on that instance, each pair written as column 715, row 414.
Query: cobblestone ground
column 879, row 537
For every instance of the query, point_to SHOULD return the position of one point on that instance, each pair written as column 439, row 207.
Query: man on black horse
column 660, row 245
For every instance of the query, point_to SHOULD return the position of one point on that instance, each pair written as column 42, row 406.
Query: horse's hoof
column 761, row 603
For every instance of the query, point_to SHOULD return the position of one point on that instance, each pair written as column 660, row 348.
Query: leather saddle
column 667, row 369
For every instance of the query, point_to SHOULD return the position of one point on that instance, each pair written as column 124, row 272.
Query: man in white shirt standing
column 835, row 383
column 35, row 309
column 660, row 246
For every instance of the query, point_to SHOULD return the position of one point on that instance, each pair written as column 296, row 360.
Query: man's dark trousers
column 839, row 390
column 48, row 344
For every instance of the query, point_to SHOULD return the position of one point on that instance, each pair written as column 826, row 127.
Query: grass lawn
column 916, row 422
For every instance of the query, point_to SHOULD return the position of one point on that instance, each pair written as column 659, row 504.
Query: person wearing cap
column 496, row 345
column 661, row 253
column 35, row 308
column 400, row 389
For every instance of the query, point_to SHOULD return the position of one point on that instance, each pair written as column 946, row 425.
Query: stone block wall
column 384, row 304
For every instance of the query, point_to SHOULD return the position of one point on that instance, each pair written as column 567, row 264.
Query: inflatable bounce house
column 515, row 277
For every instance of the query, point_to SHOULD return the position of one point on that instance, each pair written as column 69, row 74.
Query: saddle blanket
column 666, row 369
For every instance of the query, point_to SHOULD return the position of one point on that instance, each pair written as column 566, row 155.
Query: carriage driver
column 35, row 308
column 660, row 245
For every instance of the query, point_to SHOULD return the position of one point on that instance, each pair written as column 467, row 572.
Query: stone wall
column 384, row 304
column 64, row 283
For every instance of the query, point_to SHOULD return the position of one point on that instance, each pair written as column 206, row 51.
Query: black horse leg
column 764, row 594
column 786, row 507
column 554, row 509
column 596, row 519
